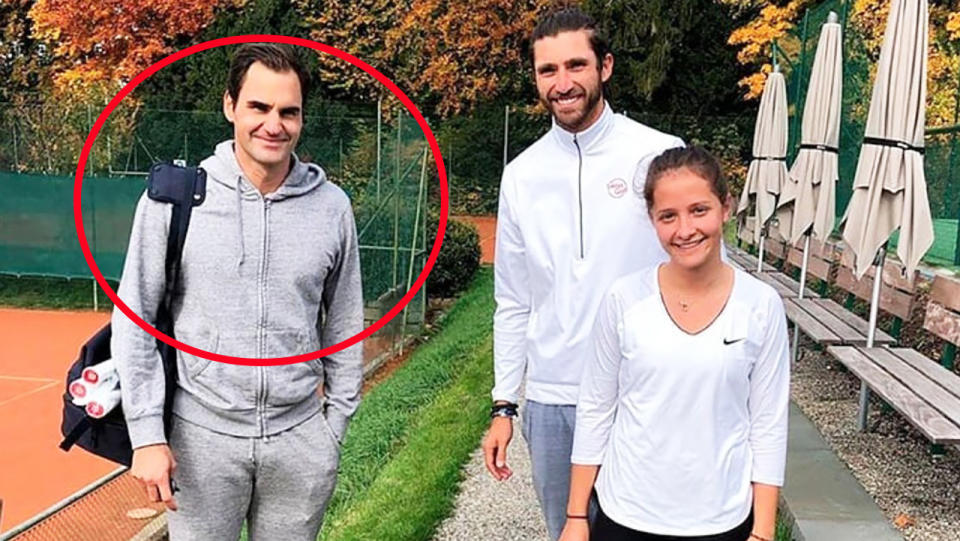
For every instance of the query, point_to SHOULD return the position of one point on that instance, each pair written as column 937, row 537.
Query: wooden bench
column 924, row 392
column 775, row 250
column 827, row 322
column 897, row 291
column 821, row 261
column 740, row 255
column 786, row 286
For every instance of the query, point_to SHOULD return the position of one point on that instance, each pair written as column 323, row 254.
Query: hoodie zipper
column 579, row 190
column 261, row 336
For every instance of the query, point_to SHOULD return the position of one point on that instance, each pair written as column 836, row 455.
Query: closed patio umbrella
column 889, row 190
column 768, row 169
column 807, row 202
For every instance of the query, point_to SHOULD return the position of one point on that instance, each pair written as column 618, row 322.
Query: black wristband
column 503, row 410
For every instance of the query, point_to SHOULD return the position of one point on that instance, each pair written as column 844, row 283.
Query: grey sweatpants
column 548, row 430
column 281, row 484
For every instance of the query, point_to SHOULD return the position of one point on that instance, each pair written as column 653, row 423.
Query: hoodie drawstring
column 240, row 229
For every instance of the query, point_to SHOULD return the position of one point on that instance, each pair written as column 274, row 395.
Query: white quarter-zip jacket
column 572, row 219
column 683, row 423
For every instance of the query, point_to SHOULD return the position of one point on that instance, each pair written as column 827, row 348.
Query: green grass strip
column 416, row 490
column 41, row 292
column 384, row 424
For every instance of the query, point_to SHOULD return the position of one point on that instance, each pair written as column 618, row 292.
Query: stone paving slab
column 822, row 498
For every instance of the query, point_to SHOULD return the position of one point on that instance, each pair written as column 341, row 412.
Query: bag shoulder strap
column 184, row 188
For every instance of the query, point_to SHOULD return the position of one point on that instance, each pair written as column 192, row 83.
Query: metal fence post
column 16, row 154
column 379, row 122
column 413, row 245
column 396, row 202
column 93, row 207
column 506, row 133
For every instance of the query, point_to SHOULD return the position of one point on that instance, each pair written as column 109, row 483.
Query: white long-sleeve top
column 571, row 220
column 680, row 423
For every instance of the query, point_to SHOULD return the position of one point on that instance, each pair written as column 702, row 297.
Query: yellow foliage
column 867, row 19
column 756, row 38
column 953, row 25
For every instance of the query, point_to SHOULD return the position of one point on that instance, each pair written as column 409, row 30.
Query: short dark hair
column 571, row 19
column 278, row 57
column 694, row 158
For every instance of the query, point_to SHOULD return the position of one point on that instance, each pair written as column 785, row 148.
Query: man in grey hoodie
column 270, row 268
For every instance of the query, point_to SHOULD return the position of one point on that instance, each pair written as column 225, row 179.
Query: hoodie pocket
column 291, row 384
column 220, row 385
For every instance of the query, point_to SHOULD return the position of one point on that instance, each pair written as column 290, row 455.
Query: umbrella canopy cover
column 768, row 168
column 889, row 189
column 808, row 200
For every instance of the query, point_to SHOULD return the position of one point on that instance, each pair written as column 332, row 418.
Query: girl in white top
column 682, row 417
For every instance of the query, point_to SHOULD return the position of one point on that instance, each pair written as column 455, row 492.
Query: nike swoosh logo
column 728, row 342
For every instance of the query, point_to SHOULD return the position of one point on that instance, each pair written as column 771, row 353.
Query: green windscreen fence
column 38, row 235
column 378, row 156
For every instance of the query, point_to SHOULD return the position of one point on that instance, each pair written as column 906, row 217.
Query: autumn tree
column 113, row 40
column 198, row 81
column 755, row 38
column 451, row 55
column 24, row 63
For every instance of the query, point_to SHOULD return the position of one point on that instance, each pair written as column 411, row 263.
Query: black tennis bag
column 107, row 437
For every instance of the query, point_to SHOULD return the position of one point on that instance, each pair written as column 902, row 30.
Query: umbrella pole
column 760, row 255
column 803, row 267
column 803, row 285
column 871, row 331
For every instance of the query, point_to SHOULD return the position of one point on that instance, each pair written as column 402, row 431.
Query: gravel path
column 916, row 491
column 496, row 511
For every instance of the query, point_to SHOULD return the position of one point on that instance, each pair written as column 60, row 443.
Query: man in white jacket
column 571, row 220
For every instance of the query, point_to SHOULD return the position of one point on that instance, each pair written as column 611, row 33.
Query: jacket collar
column 588, row 137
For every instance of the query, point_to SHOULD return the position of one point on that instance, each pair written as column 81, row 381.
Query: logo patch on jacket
column 617, row 188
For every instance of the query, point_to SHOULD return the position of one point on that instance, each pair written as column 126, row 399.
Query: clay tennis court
column 36, row 347
column 487, row 229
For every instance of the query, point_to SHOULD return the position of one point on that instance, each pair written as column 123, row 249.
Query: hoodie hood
column 224, row 169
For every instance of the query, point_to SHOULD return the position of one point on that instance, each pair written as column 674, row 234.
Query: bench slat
column 817, row 331
column 751, row 260
column 926, row 419
column 933, row 370
column 794, row 286
column 942, row 322
column 946, row 291
column 775, row 248
column 845, row 332
column 892, row 299
column 816, row 266
column 770, row 279
column 930, row 391
column 855, row 321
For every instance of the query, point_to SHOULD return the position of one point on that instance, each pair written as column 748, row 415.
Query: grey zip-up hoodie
column 262, row 276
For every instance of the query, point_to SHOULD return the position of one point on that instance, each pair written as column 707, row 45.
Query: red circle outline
column 248, row 38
